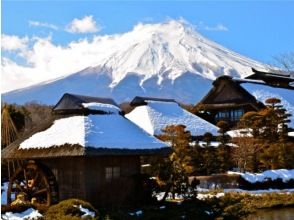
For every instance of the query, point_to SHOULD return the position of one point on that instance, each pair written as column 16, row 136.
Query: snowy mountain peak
column 167, row 50
column 170, row 58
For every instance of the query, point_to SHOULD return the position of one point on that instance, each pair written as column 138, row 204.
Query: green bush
column 229, row 206
column 69, row 210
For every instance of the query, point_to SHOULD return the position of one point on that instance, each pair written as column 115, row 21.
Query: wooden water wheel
column 32, row 184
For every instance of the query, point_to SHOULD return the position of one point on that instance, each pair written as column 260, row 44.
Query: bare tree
column 285, row 61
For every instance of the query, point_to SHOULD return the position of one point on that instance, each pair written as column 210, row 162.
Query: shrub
column 229, row 206
column 69, row 210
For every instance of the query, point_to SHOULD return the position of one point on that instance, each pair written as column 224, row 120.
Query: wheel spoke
column 40, row 191
column 25, row 177
column 17, row 186
column 36, row 177
column 31, row 181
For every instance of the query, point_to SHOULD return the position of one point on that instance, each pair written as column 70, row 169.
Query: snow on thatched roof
column 87, row 134
column 156, row 115
column 111, row 131
column 75, row 103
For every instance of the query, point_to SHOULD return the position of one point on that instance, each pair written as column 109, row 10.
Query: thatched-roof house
column 90, row 152
column 227, row 101
column 230, row 98
column 154, row 114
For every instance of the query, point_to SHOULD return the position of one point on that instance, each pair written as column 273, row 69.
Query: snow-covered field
column 283, row 174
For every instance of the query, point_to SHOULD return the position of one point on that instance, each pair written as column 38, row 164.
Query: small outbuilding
column 154, row 114
column 91, row 151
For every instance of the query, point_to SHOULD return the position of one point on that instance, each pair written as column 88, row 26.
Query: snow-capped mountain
column 168, row 59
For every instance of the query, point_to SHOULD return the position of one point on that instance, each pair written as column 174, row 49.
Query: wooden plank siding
column 85, row 178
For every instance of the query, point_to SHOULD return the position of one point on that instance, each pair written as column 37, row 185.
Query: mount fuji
column 169, row 59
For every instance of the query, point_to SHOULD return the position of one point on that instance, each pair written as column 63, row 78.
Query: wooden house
column 91, row 151
column 230, row 98
column 227, row 101
column 154, row 114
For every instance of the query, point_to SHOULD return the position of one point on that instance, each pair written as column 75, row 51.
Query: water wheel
column 32, row 184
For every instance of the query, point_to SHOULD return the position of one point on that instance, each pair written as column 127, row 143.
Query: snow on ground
column 203, row 196
column 86, row 212
column 156, row 115
column 263, row 92
column 240, row 133
column 99, row 131
column 207, row 194
column 284, row 174
column 257, row 192
column 29, row 214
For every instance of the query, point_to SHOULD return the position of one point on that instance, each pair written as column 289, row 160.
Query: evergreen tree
column 175, row 170
column 269, row 130
column 223, row 152
column 210, row 163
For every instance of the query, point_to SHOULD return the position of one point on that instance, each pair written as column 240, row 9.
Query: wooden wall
column 84, row 178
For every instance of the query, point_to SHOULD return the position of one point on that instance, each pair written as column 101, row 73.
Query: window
column 223, row 115
column 112, row 173
column 236, row 114
column 229, row 115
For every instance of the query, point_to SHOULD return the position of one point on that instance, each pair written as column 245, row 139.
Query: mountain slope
column 168, row 59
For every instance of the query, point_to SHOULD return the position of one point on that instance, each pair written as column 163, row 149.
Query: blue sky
column 257, row 29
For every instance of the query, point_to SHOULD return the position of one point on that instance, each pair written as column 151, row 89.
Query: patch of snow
column 211, row 144
column 98, row 131
column 284, row 174
column 162, row 207
column 102, row 107
column 29, row 214
column 203, row 196
column 156, row 115
column 86, row 212
column 240, row 133
column 263, row 191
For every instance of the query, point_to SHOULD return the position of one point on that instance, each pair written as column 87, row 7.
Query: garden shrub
column 69, row 210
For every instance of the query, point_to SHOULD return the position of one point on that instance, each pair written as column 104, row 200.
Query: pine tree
column 210, row 163
column 176, row 169
column 223, row 152
column 269, row 131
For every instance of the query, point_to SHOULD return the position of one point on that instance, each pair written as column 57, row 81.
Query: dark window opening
column 112, row 173
column 229, row 115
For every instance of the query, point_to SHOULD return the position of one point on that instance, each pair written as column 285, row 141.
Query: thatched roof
column 108, row 133
column 156, row 115
column 228, row 93
column 72, row 103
